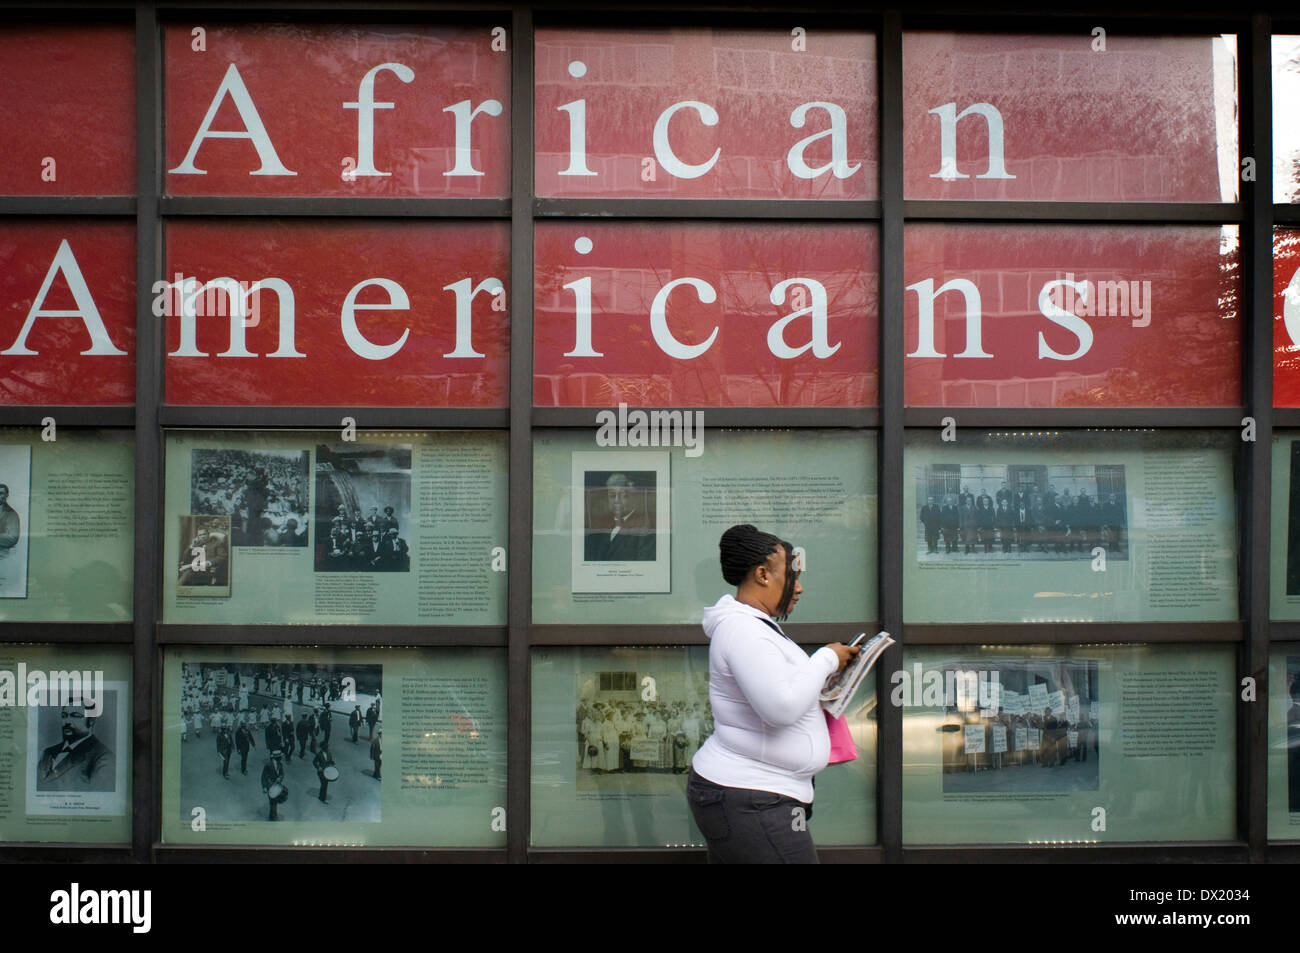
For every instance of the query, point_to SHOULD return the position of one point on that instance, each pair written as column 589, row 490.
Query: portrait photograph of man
column 77, row 755
column 15, row 519
column 621, row 526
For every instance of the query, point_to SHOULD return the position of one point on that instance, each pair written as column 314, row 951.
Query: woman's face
column 776, row 570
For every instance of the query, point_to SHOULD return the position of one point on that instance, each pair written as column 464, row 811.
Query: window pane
column 814, row 488
column 337, row 313
column 288, row 527
column 69, row 109
column 1286, row 317
column 1284, row 584
column 1068, row 744
column 700, row 113
column 610, row 760
column 427, row 768
column 1286, row 128
column 1071, row 118
column 1069, row 316
column 67, row 288
column 701, row 314
column 1070, row 526
column 397, row 111
column 66, row 528
column 76, row 698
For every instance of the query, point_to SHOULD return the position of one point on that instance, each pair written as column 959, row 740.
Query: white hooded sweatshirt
column 769, row 731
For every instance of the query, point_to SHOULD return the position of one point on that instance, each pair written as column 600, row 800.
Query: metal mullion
column 767, row 417
column 1283, row 632
column 1108, row 213
column 811, row 634
column 68, row 633
column 520, row 498
column 330, row 206
column 276, row 854
column 1091, row 418
column 1257, row 290
column 329, row 418
column 1067, row 20
column 146, row 748
column 1137, row 852
column 70, row 416
column 1073, row 633
column 889, row 724
column 46, row 206
column 711, row 209
column 336, row 636
column 1285, row 417
column 1286, row 214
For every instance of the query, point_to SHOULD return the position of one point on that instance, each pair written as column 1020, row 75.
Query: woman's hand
column 845, row 653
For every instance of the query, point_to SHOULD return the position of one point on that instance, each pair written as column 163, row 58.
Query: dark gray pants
column 743, row 826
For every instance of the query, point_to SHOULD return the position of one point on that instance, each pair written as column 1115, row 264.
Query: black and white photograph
column 1028, row 725
column 264, row 492
column 972, row 513
column 78, row 756
column 15, row 519
column 281, row 742
column 636, row 729
column 204, row 568
column 363, row 508
column 1293, row 733
column 621, row 533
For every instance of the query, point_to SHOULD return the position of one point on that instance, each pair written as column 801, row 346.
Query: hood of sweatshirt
column 725, row 608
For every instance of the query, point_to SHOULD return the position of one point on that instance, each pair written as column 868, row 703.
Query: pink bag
column 842, row 747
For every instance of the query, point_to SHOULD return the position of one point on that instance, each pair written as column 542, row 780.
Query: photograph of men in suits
column 621, row 522
column 80, row 761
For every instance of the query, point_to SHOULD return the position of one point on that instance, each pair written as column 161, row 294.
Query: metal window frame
column 889, row 422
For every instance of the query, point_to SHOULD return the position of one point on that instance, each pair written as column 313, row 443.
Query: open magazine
column 840, row 688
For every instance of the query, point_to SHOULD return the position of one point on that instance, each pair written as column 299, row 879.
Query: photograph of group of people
column 1027, row 725
column 264, row 492
column 363, row 508
column 1026, row 511
column 205, row 556
column 281, row 742
column 631, row 723
column 15, row 493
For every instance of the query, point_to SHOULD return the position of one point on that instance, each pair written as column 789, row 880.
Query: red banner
column 1072, row 316
column 700, row 314
column 698, row 113
column 330, row 313
column 337, row 110
column 67, row 312
column 69, row 110
column 1286, row 317
column 1080, row 118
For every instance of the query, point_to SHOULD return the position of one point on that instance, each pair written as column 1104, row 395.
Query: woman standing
column 751, row 782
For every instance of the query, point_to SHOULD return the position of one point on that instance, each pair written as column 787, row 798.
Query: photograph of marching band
column 205, row 556
column 1028, row 725
column 281, row 742
column 635, row 729
column 1022, row 512
column 363, row 508
column 264, row 492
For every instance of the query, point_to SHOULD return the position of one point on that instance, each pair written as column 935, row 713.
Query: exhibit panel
column 385, row 528
column 627, row 533
column 1077, row 744
column 66, row 525
column 1069, row 526
column 614, row 731
column 65, row 744
column 345, row 747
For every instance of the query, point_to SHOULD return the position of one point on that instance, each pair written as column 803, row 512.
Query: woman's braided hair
column 743, row 547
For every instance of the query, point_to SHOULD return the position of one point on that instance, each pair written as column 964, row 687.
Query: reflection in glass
column 1075, row 118
column 1286, row 127
column 1067, row 744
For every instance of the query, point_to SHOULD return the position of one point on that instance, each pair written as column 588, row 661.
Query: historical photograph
column 204, row 568
column 1025, row 725
column 1293, row 733
column 635, row 729
column 1020, row 512
column 15, row 519
column 621, row 533
column 264, row 492
column 78, row 757
column 272, row 742
column 363, row 508
column 1293, row 524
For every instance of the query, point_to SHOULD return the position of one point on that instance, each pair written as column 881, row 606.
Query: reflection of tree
column 1288, row 178
column 1286, row 353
